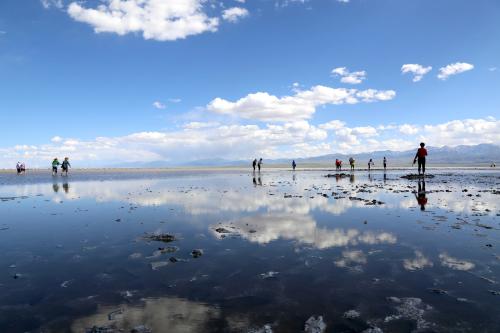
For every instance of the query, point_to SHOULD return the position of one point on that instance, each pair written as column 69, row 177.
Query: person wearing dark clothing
column 254, row 164
column 65, row 166
column 370, row 164
column 294, row 165
column 385, row 163
column 259, row 164
column 420, row 158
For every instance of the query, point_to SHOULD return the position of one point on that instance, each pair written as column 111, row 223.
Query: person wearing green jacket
column 55, row 164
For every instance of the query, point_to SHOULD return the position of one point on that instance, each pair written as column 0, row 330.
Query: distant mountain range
column 473, row 155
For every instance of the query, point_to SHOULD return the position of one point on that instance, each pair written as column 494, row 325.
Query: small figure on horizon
column 65, row 166
column 259, row 164
column 493, row 165
column 351, row 163
column 55, row 164
column 420, row 158
column 370, row 164
column 294, row 165
column 18, row 168
column 385, row 163
column 420, row 195
column 337, row 164
column 254, row 164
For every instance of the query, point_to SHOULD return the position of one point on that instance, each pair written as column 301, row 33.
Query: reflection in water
column 158, row 315
column 55, row 186
column 421, row 195
column 303, row 229
column 65, row 187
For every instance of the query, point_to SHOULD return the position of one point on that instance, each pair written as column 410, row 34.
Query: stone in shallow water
column 315, row 325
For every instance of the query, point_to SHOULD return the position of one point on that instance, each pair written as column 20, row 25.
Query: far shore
column 273, row 167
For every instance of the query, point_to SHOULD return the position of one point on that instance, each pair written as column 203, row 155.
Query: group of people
column 65, row 165
column 21, row 168
column 257, row 164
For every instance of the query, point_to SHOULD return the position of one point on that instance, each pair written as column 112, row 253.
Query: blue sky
column 64, row 83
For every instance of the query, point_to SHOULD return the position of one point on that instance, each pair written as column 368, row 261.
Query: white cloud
column 349, row 77
column 52, row 3
column 302, row 105
column 159, row 105
column 175, row 100
column 418, row 70
column 155, row 19
column 454, row 263
column 417, row 263
column 201, row 140
column 408, row 129
column 453, row 69
column 492, row 69
column 234, row 14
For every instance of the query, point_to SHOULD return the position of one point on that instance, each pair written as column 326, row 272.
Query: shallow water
column 278, row 248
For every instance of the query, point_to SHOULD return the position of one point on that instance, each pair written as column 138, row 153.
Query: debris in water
column 196, row 253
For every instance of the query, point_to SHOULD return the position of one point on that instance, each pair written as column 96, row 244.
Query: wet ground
column 233, row 251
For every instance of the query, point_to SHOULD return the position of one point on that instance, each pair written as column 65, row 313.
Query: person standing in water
column 351, row 163
column 254, row 164
column 385, row 163
column 18, row 168
column 370, row 164
column 259, row 164
column 55, row 164
column 294, row 165
column 65, row 166
column 420, row 158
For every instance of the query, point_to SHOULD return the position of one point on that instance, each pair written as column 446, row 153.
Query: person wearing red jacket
column 420, row 158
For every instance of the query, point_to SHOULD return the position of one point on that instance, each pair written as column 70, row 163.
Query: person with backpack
column 65, row 166
column 294, row 165
column 420, row 158
column 351, row 163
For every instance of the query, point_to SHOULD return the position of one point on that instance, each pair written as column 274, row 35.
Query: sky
column 114, row 81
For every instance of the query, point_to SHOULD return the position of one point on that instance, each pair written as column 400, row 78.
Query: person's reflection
column 420, row 195
column 351, row 178
column 385, row 177
column 294, row 177
column 259, row 180
column 55, row 186
column 254, row 179
column 370, row 177
column 65, row 187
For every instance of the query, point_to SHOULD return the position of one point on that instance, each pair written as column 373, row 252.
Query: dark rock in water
column 337, row 175
column 162, row 238
column 100, row 329
column 196, row 253
column 416, row 176
column 173, row 259
column 222, row 231
column 438, row 291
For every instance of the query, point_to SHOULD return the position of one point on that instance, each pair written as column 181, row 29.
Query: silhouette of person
column 254, row 181
column 65, row 187
column 385, row 163
column 259, row 164
column 259, row 180
column 420, row 195
column 294, row 165
column 254, row 164
column 420, row 157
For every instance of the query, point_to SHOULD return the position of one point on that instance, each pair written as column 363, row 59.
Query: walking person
column 65, row 166
column 259, row 164
column 294, row 165
column 337, row 165
column 254, row 164
column 18, row 168
column 23, row 168
column 385, row 163
column 55, row 164
column 420, row 158
column 351, row 163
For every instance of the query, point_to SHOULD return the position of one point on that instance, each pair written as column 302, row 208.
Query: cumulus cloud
column 200, row 140
column 454, row 69
column 155, row 19
column 159, row 105
column 454, row 263
column 417, row 70
column 417, row 263
column 234, row 14
column 349, row 77
column 302, row 105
